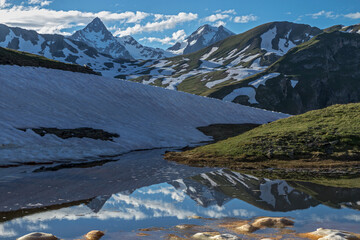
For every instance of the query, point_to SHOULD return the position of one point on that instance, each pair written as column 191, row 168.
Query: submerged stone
column 38, row 236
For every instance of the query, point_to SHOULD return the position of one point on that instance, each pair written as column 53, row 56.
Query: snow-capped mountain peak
column 139, row 51
column 204, row 36
column 96, row 35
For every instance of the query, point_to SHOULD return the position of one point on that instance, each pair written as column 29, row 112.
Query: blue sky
column 160, row 23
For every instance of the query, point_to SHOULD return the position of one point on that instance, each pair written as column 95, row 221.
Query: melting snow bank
column 143, row 116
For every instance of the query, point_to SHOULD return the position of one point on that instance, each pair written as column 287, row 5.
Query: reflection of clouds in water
column 243, row 213
column 353, row 217
column 220, row 212
column 40, row 226
column 150, row 202
column 6, row 231
column 159, row 207
column 176, row 195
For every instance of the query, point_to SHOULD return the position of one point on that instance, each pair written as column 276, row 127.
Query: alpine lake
column 140, row 195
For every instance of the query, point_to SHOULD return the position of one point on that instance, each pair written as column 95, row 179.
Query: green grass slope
column 330, row 134
column 13, row 57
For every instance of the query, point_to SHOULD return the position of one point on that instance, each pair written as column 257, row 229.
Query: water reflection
column 158, row 193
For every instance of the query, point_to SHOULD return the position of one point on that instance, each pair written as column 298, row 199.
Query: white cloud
column 3, row 4
column 230, row 11
column 177, row 36
column 353, row 15
column 323, row 14
column 40, row 2
column 220, row 23
column 169, row 22
column 52, row 21
column 245, row 18
column 216, row 17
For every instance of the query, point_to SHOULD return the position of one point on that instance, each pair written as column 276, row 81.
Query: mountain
column 96, row 35
column 138, row 51
column 100, row 115
column 204, row 36
column 228, row 61
column 319, row 73
column 60, row 48
column 352, row 29
column 68, row 50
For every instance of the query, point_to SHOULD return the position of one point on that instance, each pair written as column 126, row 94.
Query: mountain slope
column 45, row 112
column 228, row 61
column 317, row 136
column 12, row 57
column 313, row 75
column 204, row 36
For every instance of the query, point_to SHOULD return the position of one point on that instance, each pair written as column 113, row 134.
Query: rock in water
column 94, row 235
column 247, row 228
column 38, row 236
column 331, row 234
column 269, row 222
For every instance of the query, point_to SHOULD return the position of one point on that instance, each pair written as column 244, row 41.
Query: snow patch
column 143, row 116
column 247, row 91
column 263, row 79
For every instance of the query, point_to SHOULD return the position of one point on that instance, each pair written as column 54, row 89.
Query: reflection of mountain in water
column 207, row 190
column 200, row 193
column 335, row 197
column 216, row 188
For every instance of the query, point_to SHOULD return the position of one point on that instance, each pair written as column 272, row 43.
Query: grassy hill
column 13, row 57
column 325, row 137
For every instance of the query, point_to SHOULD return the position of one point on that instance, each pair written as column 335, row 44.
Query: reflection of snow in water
column 174, row 202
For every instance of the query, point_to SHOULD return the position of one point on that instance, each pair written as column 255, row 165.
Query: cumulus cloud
column 168, row 22
column 350, row 15
column 216, row 17
column 3, row 4
column 51, row 21
column 245, row 18
column 323, row 13
column 177, row 36
column 40, row 2
column 220, row 23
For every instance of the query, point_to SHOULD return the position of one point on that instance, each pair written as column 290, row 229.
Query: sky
column 161, row 23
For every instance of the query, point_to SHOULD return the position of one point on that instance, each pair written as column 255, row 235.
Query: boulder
column 247, row 228
column 205, row 235
column 94, row 235
column 38, row 236
column 214, row 236
column 272, row 222
column 331, row 234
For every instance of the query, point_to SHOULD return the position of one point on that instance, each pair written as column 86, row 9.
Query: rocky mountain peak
column 204, row 36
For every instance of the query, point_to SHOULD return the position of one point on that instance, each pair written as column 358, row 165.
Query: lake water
column 141, row 190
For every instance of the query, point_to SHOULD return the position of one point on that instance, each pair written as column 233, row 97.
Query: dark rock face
column 327, row 71
column 76, row 133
